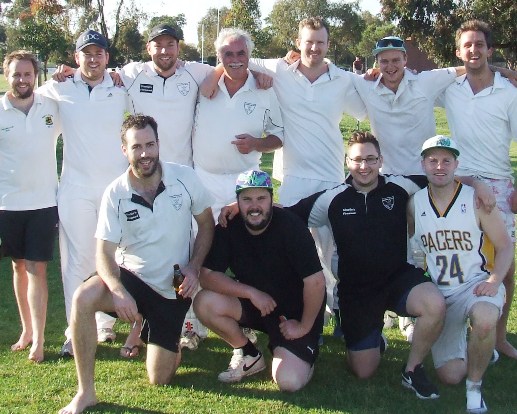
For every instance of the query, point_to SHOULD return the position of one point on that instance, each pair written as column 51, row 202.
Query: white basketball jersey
column 451, row 239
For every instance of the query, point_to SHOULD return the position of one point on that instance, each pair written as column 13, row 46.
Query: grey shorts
column 452, row 343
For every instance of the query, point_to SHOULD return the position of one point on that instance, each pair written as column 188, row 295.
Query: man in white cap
column 452, row 232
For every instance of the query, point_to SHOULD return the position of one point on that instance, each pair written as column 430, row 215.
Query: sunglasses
column 392, row 42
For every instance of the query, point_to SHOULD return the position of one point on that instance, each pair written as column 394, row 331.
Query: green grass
column 122, row 385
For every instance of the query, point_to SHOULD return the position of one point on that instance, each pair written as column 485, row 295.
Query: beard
column 140, row 172
column 261, row 225
column 23, row 95
column 164, row 66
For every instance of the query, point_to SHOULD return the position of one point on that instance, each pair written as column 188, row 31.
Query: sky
column 194, row 10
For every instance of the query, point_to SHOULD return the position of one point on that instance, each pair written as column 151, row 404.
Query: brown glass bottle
column 177, row 280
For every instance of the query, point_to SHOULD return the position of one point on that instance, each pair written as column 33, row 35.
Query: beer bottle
column 177, row 280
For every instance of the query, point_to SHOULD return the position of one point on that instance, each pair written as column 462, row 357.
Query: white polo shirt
column 151, row 239
column 28, row 175
column 402, row 121
column 217, row 121
column 91, row 129
column 313, row 145
column 483, row 126
column 171, row 102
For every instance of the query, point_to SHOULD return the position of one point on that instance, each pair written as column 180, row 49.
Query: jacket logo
column 49, row 120
column 249, row 107
column 132, row 215
column 177, row 201
column 349, row 211
column 184, row 88
column 146, row 88
column 388, row 202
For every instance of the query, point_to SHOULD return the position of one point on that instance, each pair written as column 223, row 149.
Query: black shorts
column 362, row 312
column 306, row 348
column 163, row 318
column 29, row 234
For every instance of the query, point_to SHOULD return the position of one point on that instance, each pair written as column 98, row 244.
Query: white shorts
column 293, row 189
column 503, row 189
column 452, row 343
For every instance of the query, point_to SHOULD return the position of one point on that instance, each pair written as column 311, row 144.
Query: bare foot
column 507, row 349
column 24, row 341
column 36, row 353
column 79, row 403
column 131, row 348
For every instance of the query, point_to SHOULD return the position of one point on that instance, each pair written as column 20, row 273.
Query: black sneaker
column 417, row 381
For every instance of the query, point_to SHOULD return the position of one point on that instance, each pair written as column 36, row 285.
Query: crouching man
column 279, row 287
column 143, row 230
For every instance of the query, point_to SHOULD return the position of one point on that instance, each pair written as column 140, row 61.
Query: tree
column 41, row 29
column 208, row 27
column 433, row 24
column 189, row 53
column 345, row 29
column 177, row 22
column 130, row 43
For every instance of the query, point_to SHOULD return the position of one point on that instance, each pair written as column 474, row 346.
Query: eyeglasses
column 368, row 160
column 389, row 42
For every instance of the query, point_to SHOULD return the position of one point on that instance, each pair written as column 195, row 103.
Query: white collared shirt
column 28, row 175
column 218, row 120
column 483, row 125
column 402, row 121
column 170, row 101
column 91, row 129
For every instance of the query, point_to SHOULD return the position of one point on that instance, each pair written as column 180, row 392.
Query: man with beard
column 145, row 212
column 92, row 110
column 278, row 289
column 29, row 127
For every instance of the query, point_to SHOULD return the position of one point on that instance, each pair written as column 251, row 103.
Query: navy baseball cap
column 90, row 37
column 164, row 29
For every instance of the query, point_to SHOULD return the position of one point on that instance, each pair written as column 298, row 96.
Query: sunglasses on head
column 392, row 42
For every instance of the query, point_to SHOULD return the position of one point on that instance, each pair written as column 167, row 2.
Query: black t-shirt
column 275, row 262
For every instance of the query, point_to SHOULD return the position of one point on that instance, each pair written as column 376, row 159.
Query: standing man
column 92, row 110
column 481, row 110
column 29, row 128
column 145, row 212
column 278, row 287
column 232, row 130
column 451, row 231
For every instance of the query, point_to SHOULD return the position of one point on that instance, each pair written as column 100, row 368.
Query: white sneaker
column 190, row 340
column 242, row 366
column 106, row 335
column 495, row 357
column 475, row 402
column 67, row 350
column 250, row 334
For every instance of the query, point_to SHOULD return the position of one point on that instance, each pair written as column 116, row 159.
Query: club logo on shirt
column 463, row 208
column 249, row 107
column 184, row 88
column 177, row 201
column 132, row 215
column 388, row 202
column 146, row 88
column 49, row 120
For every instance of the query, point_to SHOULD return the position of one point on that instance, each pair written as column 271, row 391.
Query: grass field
column 123, row 388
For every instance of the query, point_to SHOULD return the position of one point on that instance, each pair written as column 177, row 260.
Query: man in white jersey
column 482, row 114
column 92, row 110
column 233, row 129
column 143, row 231
column 451, row 231
column 29, row 128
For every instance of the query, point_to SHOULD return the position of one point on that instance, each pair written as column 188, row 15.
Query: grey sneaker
column 190, row 340
column 67, row 350
column 242, row 366
column 475, row 402
column 250, row 334
column 417, row 381
column 106, row 335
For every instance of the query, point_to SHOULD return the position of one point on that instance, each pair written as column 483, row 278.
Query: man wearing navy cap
column 92, row 110
column 452, row 232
